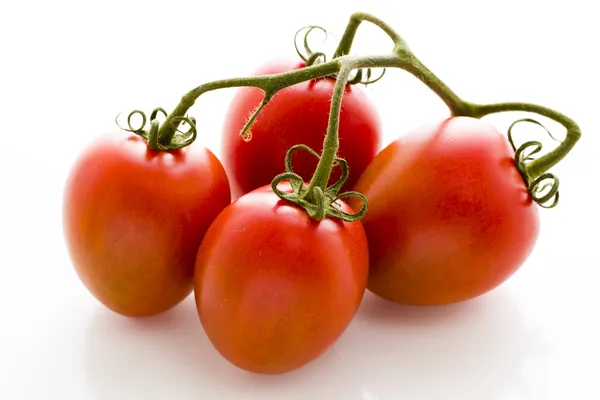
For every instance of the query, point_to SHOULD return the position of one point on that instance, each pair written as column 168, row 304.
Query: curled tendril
column 314, row 57
column 322, row 203
column 156, row 111
column 358, row 77
column 545, row 195
column 129, row 117
column 340, row 214
column 543, row 189
column 310, row 57
column 186, row 138
column 179, row 140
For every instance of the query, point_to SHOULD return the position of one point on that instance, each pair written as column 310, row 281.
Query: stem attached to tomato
column 541, row 165
column 331, row 143
column 318, row 199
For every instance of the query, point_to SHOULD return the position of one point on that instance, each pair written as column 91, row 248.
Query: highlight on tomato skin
column 134, row 217
column 296, row 115
column 450, row 217
column 274, row 288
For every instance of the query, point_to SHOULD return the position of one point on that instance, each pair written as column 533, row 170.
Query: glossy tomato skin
column 134, row 219
column 449, row 215
column 275, row 289
column 296, row 115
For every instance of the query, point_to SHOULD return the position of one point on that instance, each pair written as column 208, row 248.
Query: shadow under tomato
column 473, row 350
column 152, row 358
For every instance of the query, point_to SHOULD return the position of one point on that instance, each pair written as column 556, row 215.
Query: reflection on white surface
column 475, row 350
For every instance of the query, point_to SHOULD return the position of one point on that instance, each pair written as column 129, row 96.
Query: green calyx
column 318, row 203
column 175, row 140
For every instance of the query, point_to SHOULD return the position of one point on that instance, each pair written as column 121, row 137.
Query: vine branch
column 340, row 67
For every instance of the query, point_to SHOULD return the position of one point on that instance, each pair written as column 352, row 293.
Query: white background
column 69, row 67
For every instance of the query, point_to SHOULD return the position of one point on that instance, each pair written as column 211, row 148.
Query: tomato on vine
column 452, row 206
column 274, row 287
column 450, row 215
column 282, row 271
column 136, row 207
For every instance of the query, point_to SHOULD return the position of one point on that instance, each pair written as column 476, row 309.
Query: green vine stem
column 322, row 200
column 271, row 84
column 340, row 67
column 542, row 164
column 330, row 144
column 459, row 107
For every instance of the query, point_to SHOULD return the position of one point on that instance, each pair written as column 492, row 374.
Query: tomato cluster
column 447, row 213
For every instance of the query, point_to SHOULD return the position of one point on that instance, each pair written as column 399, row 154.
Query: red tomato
column 134, row 219
column 274, row 288
column 449, row 214
column 295, row 115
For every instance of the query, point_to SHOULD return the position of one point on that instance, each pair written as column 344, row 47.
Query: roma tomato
column 295, row 115
column 450, row 217
column 134, row 219
column 274, row 288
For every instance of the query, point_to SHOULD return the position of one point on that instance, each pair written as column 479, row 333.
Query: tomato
column 274, row 288
column 450, row 217
column 134, row 219
column 295, row 115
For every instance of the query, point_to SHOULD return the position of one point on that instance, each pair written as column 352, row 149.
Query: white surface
column 68, row 67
